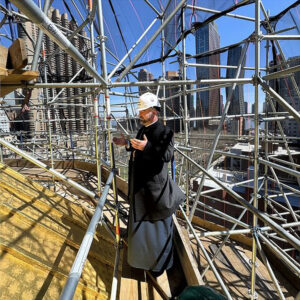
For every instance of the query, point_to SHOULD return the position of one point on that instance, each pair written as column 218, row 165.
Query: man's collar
column 151, row 123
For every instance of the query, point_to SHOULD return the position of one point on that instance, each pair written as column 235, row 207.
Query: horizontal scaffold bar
column 136, row 83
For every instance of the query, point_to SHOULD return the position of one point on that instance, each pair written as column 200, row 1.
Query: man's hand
column 121, row 141
column 139, row 144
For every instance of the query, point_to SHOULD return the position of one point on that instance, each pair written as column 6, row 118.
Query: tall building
column 207, row 102
column 285, row 88
column 4, row 121
column 145, row 75
column 245, row 107
column 237, row 105
column 175, row 106
column 72, row 114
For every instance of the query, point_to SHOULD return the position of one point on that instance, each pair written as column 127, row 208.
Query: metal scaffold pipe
column 150, row 41
column 39, row 41
column 280, row 254
column 131, row 49
column 228, row 235
column 110, row 145
column 280, row 167
column 284, row 60
column 96, row 109
column 244, row 231
column 33, row 12
column 262, row 216
column 220, row 66
column 280, row 100
column 269, row 268
column 253, row 294
column 214, row 11
column 127, row 84
column 77, row 267
column 220, row 127
column 210, row 262
column 282, row 73
column 48, row 169
column 280, row 37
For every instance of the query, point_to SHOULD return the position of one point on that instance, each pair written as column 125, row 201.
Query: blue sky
column 231, row 30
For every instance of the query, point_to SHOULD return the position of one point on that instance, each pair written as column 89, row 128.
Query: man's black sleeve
column 162, row 149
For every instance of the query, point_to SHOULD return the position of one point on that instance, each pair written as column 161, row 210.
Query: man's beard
column 144, row 122
column 148, row 120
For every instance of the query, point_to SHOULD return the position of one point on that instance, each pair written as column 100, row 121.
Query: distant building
column 4, row 121
column 145, row 75
column 60, row 68
column 231, row 170
column 245, row 107
column 175, row 106
column 285, row 88
column 237, row 105
column 207, row 102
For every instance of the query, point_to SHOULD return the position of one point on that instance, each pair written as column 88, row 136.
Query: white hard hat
column 148, row 100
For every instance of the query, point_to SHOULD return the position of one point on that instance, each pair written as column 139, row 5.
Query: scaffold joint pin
column 115, row 170
column 252, row 296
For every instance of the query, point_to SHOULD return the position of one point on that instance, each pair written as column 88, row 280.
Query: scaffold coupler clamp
column 108, row 84
column 115, row 171
column 102, row 38
column 251, row 262
column 255, row 230
column 119, row 244
column 252, row 296
column 255, row 80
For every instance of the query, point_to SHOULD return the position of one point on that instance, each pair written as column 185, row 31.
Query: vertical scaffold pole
column 111, row 154
column 39, row 40
column 163, row 73
column 96, row 113
column 38, row 46
column 185, row 119
column 241, row 64
column 292, row 77
column 266, row 135
column 256, row 141
column 1, row 153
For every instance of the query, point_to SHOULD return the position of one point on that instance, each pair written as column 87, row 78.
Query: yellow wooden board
column 3, row 56
column 14, row 78
column 3, row 73
column 40, row 234
column 18, row 54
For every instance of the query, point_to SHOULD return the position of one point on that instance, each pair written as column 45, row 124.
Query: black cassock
column 153, row 197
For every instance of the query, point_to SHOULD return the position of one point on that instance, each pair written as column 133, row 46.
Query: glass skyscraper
column 285, row 88
column 237, row 105
column 207, row 102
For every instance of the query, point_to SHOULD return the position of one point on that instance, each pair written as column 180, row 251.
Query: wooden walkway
column 234, row 265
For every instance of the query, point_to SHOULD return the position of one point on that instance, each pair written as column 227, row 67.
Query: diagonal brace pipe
column 262, row 216
column 154, row 36
column 33, row 12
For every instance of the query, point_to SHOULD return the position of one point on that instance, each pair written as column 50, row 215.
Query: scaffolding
column 75, row 110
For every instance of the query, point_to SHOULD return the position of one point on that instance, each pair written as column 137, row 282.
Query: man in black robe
column 153, row 196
